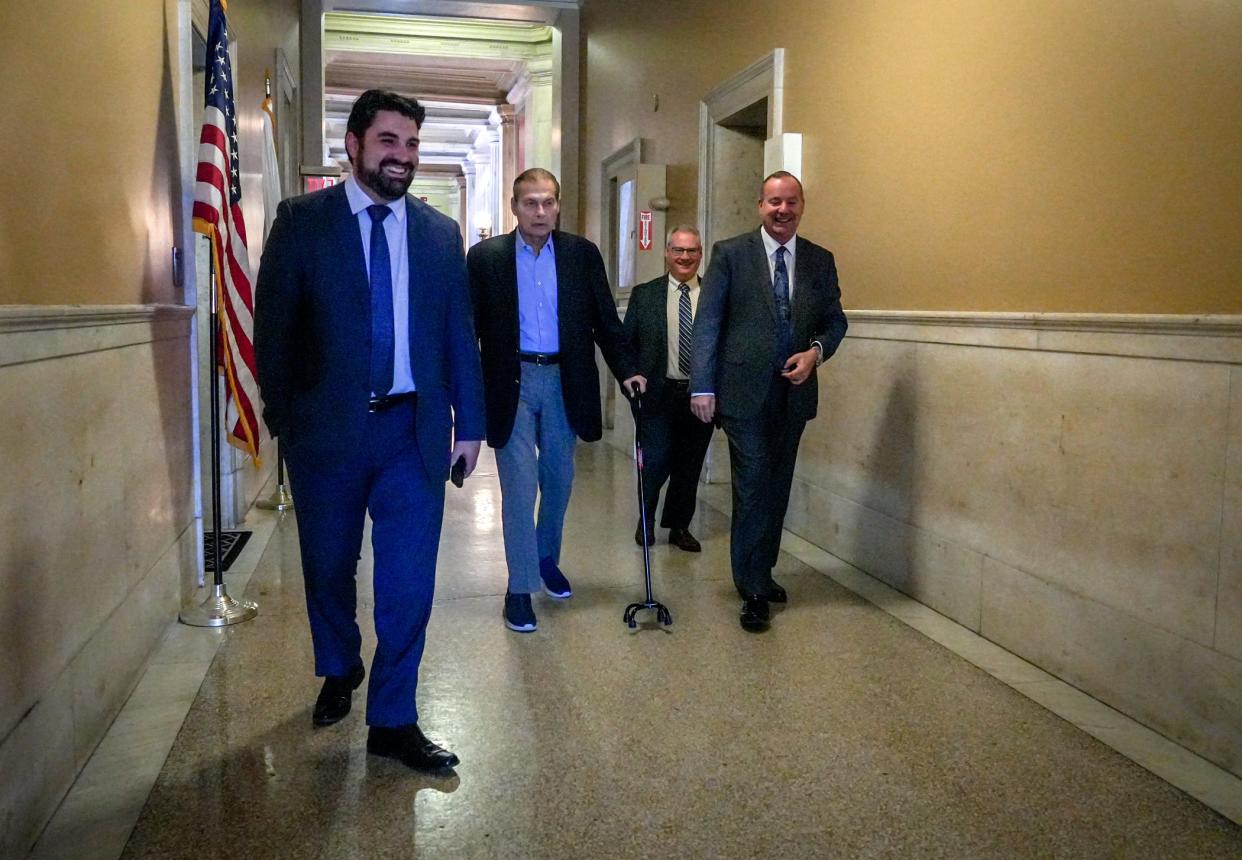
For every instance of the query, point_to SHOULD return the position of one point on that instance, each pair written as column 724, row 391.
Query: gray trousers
column 538, row 460
column 762, row 453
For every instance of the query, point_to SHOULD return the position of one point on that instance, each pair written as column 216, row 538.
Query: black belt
column 676, row 383
column 540, row 357
column 387, row 401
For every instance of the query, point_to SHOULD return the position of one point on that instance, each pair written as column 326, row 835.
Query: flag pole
column 280, row 499
column 219, row 609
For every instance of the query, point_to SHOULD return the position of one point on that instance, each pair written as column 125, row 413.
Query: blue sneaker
column 554, row 582
column 519, row 616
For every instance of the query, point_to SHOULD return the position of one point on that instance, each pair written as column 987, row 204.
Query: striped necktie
column 685, row 329
column 780, row 292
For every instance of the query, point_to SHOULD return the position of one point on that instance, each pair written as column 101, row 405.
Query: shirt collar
column 358, row 200
column 673, row 283
column 770, row 244
column 523, row 245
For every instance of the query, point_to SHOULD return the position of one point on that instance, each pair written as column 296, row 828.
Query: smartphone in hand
column 457, row 474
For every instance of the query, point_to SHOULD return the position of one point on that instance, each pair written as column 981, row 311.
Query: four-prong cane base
column 661, row 611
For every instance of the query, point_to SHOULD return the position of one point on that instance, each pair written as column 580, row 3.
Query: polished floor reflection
column 841, row 732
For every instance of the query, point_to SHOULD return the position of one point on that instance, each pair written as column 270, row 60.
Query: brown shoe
column 682, row 539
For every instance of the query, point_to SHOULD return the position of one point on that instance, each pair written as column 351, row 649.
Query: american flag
column 218, row 215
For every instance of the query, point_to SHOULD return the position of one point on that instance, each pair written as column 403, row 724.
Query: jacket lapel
column 354, row 283
column 413, row 243
column 763, row 276
column 509, row 283
column 660, row 315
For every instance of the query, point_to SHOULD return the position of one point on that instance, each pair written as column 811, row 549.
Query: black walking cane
column 633, row 609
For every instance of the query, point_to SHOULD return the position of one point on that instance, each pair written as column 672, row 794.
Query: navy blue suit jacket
column 312, row 331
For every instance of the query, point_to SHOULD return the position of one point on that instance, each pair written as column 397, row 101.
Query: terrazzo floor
column 841, row 732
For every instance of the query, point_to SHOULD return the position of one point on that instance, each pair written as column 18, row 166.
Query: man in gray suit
column 769, row 315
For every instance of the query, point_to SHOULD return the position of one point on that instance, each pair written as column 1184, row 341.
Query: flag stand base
column 280, row 500
column 219, row 610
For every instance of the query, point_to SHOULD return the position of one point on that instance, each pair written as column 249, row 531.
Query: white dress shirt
column 399, row 259
column 770, row 245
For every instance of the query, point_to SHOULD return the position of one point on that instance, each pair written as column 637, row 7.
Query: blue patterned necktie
column 383, row 338
column 784, row 322
column 685, row 328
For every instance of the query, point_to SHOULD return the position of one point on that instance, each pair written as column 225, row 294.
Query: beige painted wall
column 1043, row 155
column 89, row 194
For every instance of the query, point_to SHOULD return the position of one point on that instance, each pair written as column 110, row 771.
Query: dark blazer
column 312, row 331
column 735, row 337
column 587, row 315
column 646, row 326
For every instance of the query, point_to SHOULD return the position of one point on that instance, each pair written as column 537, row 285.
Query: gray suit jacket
column 735, row 335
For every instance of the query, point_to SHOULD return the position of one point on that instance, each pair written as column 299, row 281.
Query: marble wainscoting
column 1067, row 486
column 98, row 542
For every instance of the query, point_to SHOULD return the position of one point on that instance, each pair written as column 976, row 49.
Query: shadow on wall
column 892, row 487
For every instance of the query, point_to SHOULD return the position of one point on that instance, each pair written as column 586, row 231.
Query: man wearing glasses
column 660, row 325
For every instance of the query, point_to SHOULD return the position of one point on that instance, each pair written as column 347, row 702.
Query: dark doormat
column 231, row 544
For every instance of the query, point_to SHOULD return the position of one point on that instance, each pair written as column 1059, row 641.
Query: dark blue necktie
column 382, row 336
column 784, row 322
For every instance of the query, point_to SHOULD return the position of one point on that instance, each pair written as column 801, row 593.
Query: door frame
column 762, row 79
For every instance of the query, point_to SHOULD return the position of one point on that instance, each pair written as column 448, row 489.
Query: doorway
column 738, row 121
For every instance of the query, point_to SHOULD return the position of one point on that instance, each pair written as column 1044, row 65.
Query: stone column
column 508, row 163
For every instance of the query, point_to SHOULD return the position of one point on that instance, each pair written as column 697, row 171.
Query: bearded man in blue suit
column 370, row 376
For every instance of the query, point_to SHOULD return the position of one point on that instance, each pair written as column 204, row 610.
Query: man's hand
column 800, row 366
column 704, row 407
column 468, row 449
column 637, row 379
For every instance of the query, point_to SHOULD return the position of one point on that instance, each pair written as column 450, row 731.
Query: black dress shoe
column 776, row 594
column 682, row 539
column 638, row 534
column 336, row 697
column 755, row 614
column 408, row 745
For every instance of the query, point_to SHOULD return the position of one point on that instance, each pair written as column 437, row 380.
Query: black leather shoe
column 408, row 745
column 638, row 534
column 682, row 539
column 776, row 594
column 755, row 614
column 336, row 697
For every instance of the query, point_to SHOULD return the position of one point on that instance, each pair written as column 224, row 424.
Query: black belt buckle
column 539, row 358
column 387, row 401
column 676, row 383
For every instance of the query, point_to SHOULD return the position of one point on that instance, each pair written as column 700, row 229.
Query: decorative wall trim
column 42, row 332
column 1210, row 337
column 43, row 317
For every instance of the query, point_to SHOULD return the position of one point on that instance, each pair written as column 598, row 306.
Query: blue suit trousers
column 386, row 478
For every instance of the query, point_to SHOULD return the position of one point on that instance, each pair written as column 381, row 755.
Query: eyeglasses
column 680, row 251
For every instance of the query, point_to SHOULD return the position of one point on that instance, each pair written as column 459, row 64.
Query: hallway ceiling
column 460, row 69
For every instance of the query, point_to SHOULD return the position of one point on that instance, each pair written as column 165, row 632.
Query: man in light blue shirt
column 541, row 304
